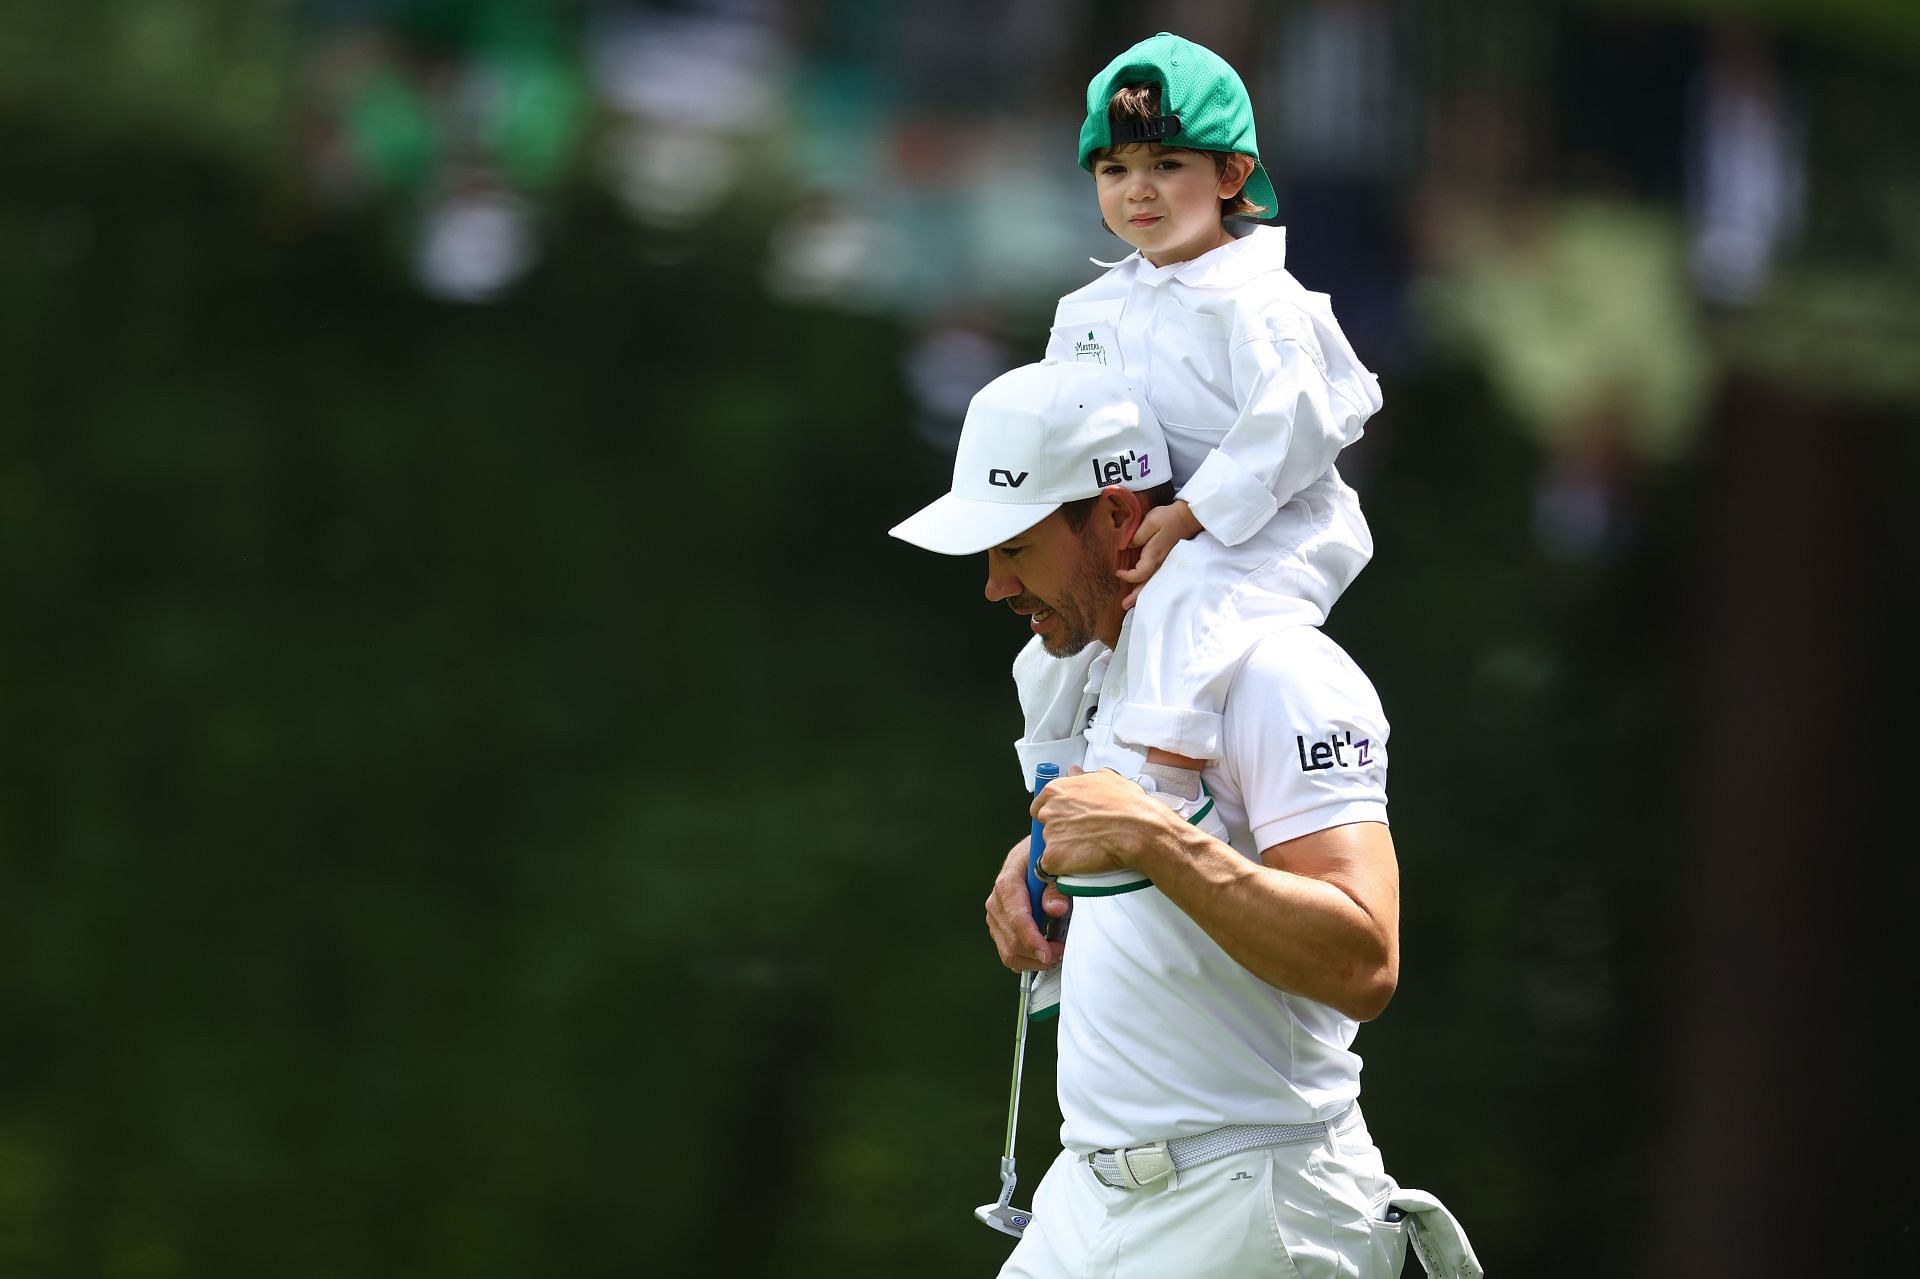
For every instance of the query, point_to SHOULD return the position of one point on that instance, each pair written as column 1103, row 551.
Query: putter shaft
column 1019, row 1064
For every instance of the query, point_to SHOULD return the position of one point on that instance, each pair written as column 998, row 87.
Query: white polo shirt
column 1162, row 1033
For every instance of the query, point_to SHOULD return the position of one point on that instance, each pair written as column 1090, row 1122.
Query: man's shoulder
column 1303, row 739
column 1300, row 666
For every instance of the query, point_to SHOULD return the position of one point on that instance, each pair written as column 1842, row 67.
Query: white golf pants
column 1313, row 1210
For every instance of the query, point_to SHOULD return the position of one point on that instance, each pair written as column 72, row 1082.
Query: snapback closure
column 1124, row 132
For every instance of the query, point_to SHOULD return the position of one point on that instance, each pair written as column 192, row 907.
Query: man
column 1212, row 988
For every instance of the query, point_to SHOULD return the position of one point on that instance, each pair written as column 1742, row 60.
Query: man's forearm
column 1305, row 935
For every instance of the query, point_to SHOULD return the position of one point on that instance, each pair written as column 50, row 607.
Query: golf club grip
column 1037, row 845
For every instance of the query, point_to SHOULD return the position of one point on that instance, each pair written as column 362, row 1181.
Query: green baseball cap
column 1203, row 104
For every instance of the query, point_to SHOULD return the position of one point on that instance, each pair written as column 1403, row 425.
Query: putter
column 1001, row 1214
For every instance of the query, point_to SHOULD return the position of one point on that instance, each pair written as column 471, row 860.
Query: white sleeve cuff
column 1315, row 820
column 1229, row 500
column 1066, row 753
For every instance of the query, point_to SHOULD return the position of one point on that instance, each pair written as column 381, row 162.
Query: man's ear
column 1122, row 509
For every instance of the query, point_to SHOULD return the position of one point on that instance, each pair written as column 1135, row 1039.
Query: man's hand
column 1010, row 918
column 1097, row 822
column 1161, row 529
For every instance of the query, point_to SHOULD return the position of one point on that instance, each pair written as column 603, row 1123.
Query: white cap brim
column 955, row 525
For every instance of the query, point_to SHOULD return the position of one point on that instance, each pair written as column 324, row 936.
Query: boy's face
column 1164, row 202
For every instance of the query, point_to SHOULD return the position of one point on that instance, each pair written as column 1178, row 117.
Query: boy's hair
column 1141, row 103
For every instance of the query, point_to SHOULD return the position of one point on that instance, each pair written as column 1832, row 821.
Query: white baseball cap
column 1036, row 437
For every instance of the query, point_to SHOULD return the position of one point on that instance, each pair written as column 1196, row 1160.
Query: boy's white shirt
column 1257, row 390
column 1254, row 383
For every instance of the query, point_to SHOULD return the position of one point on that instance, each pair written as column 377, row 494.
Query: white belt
column 1136, row 1167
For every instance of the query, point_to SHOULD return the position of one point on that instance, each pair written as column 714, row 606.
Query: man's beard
column 1078, row 609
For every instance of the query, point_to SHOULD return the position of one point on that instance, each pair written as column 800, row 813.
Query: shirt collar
column 1255, row 250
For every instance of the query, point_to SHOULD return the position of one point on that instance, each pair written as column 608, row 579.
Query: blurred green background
column 480, row 795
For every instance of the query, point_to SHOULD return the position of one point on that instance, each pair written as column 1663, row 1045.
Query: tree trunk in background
column 1767, row 1105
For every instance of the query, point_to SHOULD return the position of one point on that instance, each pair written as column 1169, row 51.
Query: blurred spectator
column 1578, row 309
column 1618, row 87
column 937, row 148
column 460, row 114
column 826, row 252
column 690, row 86
column 954, row 356
column 1339, row 148
column 475, row 241
column 1745, row 140
column 1551, row 264
column 1225, row 26
column 988, row 58
column 371, row 127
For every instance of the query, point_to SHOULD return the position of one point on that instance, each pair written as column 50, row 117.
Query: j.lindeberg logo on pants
column 1334, row 752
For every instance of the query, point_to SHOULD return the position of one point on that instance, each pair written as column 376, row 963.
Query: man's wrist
column 1166, row 842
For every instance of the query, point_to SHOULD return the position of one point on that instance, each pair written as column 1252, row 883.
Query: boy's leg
column 1179, row 787
column 1209, row 603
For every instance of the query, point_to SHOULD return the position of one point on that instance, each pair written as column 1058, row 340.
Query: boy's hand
column 1161, row 529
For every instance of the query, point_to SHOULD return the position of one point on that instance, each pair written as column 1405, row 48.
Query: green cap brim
column 1259, row 189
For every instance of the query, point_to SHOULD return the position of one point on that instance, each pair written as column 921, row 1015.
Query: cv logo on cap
column 1004, row 479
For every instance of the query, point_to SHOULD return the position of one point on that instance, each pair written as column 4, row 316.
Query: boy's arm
column 1292, row 422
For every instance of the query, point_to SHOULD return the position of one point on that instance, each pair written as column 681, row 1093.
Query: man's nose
column 1001, row 584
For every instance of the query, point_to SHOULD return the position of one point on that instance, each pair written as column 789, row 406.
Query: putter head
column 1005, row 1218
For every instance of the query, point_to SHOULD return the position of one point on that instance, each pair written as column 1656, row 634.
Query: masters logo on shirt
column 1090, row 350
column 1336, row 750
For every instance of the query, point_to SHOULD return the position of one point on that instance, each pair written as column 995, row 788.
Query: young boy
column 1257, row 390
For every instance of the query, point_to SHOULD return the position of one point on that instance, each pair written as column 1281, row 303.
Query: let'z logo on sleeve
column 1338, row 750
